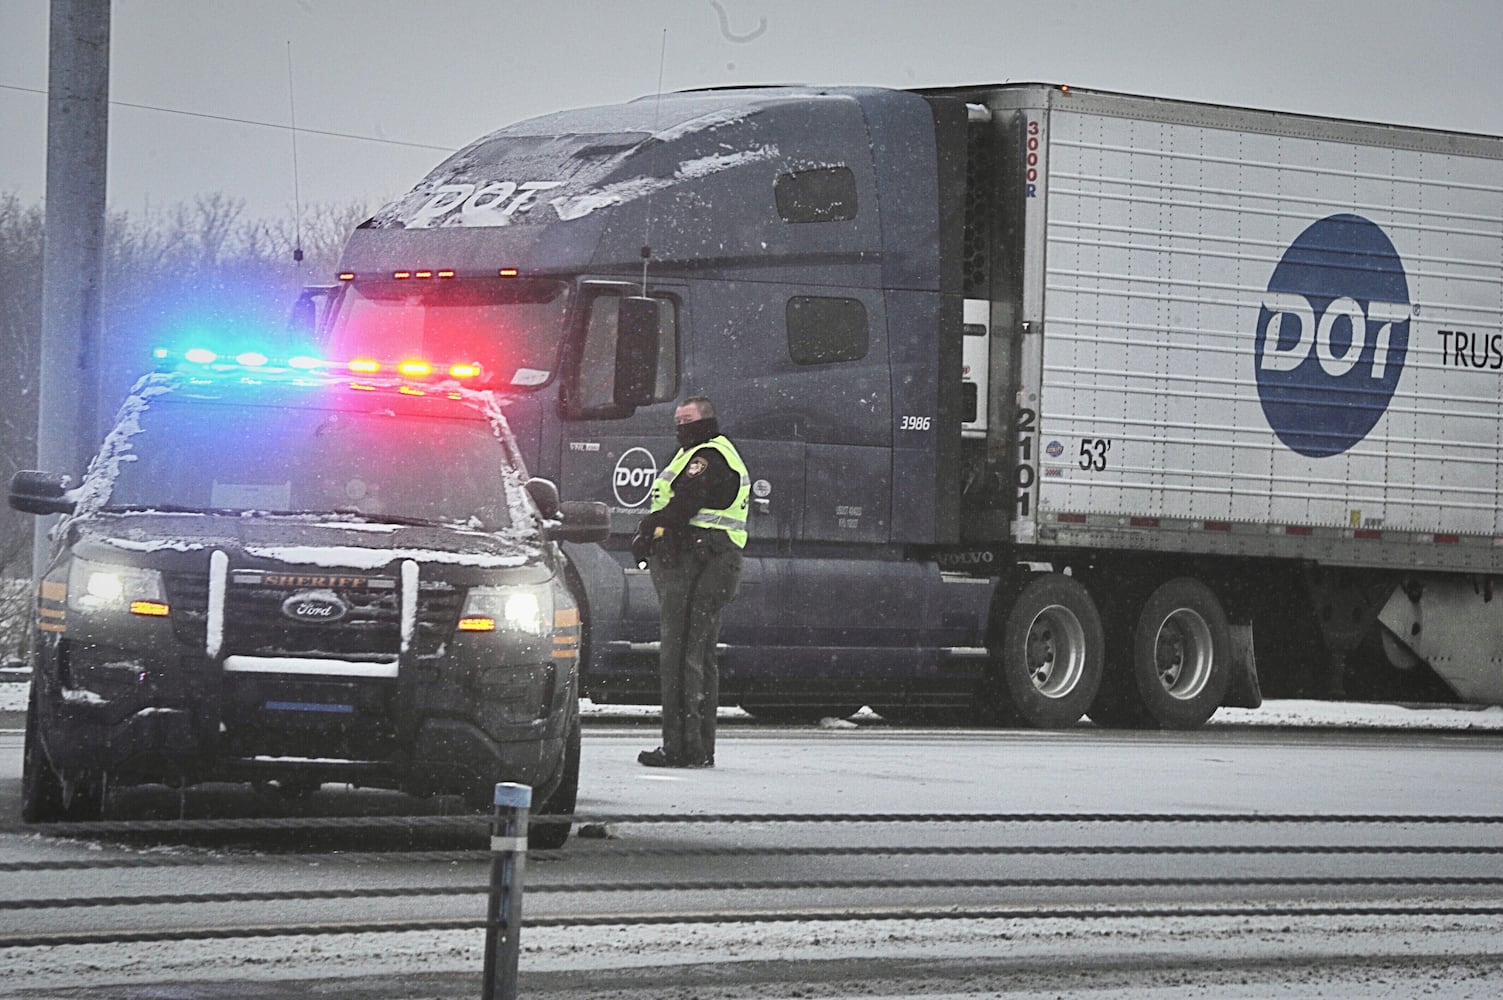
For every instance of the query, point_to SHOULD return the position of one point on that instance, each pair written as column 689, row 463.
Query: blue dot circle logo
column 1332, row 335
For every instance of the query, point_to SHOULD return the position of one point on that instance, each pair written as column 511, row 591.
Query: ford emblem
column 315, row 606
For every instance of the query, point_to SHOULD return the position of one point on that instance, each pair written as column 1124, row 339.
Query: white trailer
column 1256, row 336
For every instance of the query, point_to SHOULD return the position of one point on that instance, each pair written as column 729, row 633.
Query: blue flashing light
column 305, row 362
column 200, row 356
column 251, row 359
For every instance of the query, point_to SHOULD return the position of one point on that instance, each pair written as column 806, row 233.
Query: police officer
column 692, row 538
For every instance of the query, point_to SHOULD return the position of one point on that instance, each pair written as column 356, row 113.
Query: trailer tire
column 1182, row 654
column 1051, row 654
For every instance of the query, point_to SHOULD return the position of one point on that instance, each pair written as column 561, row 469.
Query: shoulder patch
column 697, row 466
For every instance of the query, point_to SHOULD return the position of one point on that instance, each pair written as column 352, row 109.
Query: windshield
column 511, row 326
column 228, row 456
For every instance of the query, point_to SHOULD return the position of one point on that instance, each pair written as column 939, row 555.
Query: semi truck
column 1058, row 403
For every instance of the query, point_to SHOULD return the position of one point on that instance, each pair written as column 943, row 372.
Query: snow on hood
column 313, row 540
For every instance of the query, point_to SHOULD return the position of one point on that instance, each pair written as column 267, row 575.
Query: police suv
column 300, row 572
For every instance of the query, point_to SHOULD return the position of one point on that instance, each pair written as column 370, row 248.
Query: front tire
column 1182, row 654
column 551, row 836
column 41, row 791
column 1051, row 653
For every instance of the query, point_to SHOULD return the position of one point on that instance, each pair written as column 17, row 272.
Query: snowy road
column 1227, row 769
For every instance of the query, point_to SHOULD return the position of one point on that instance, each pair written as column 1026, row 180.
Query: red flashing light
column 464, row 371
column 415, row 369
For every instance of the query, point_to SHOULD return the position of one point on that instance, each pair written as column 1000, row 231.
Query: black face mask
column 697, row 432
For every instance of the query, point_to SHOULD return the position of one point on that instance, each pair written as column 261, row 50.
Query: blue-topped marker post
column 503, row 918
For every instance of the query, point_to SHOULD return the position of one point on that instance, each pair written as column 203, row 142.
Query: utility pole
column 78, row 96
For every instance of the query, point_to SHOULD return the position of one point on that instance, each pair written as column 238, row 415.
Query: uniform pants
column 695, row 577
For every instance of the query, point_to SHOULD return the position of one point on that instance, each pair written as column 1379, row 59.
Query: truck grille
column 254, row 624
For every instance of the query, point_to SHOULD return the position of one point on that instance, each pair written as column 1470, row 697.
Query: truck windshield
column 229, row 456
column 511, row 326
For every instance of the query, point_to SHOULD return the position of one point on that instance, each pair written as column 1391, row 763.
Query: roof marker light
column 346, row 275
column 365, row 366
column 508, row 272
column 415, row 369
column 401, row 274
column 423, row 274
column 469, row 370
column 446, row 273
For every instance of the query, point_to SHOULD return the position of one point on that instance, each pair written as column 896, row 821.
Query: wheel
column 551, row 836
column 1181, row 654
column 1051, row 653
column 41, row 791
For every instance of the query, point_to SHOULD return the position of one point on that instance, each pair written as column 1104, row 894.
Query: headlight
column 96, row 586
column 526, row 610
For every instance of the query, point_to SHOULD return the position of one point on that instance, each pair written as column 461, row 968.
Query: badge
column 697, row 466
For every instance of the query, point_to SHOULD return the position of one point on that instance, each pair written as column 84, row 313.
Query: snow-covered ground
column 1290, row 712
column 1353, row 715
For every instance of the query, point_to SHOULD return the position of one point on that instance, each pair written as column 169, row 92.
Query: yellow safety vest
column 731, row 520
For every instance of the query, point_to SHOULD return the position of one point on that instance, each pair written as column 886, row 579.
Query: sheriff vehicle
column 294, row 571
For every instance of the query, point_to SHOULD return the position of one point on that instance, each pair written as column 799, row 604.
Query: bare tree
column 203, row 269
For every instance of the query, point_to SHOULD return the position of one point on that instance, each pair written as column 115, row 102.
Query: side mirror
column 545, row 495
column 583, row 521
column 40, row 493
column 303, row 318
column 637, row 324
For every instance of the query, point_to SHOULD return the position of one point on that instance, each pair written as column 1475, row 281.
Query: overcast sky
column 383, row 90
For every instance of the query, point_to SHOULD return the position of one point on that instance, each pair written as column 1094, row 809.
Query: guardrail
column 507, row 854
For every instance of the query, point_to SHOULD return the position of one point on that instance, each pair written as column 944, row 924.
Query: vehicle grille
column 255, row 626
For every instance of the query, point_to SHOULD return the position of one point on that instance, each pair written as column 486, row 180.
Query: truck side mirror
column 583, row 521
column 303, row 317
column 545, row 494
column 34, row 492
column 637, row 324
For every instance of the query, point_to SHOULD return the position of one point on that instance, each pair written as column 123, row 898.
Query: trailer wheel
column 1181, row 654
column 1051, row 652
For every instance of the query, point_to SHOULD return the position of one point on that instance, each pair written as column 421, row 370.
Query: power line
column 249, row 121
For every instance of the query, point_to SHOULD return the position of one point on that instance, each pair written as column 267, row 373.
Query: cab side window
column 592, row 388
column 824, row 330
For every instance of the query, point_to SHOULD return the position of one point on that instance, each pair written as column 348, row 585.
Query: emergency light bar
column 204, row 360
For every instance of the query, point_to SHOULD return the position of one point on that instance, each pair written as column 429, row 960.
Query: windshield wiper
column 365, row 515
column 166, row 508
